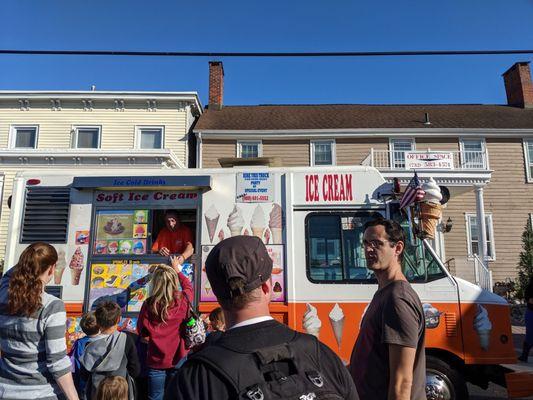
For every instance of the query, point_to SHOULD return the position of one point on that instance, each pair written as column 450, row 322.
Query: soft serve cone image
column 430, row 208
column 211, row 220
column 483, row 326
column 76, row 266
column 258, row 222
column 235, row 221
column 311, row 323
column 60, row 267
column 336, row 319
column 274, row 223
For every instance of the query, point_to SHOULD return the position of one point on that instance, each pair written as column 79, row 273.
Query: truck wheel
column 443, row 382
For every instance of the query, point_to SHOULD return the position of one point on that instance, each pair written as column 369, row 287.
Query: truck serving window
column 334, row 252
column 45, row 215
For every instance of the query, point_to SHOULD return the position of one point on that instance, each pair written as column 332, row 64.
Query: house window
column 249, row 149
column 473, row 236
column 473, row 154
column 398, row 149
column 87, row 137
column 528, row 149
column 323, row 152
column 150, row 137
column 23, row 137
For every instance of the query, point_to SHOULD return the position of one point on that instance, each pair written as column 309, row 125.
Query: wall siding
column 292, row 153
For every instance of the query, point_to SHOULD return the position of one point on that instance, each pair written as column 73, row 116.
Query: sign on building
column 428, row 160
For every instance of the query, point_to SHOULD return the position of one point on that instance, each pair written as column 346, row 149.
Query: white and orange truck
column 103, row 225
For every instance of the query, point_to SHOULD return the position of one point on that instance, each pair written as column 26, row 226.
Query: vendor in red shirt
column 175, row 238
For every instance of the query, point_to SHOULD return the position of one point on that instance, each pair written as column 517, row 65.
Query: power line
column 265, row 54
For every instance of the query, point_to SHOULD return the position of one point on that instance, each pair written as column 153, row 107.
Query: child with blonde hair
column 159, row 324
column 112, row 388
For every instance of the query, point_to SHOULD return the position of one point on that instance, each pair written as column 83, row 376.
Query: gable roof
column 353, row 116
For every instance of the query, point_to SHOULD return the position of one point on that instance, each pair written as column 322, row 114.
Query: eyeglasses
column 374, row 244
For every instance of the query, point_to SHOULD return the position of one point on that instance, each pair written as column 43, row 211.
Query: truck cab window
column 335, row 253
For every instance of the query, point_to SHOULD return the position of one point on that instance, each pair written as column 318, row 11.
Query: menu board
column 121, row 232
column 125, row 282
column 278, row 274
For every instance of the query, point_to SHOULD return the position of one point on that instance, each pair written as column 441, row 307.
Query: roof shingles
column 352, row 116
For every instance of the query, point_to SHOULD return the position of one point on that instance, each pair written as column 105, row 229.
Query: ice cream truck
column 311, row 220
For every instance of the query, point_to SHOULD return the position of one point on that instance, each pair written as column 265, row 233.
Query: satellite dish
column 445, row 194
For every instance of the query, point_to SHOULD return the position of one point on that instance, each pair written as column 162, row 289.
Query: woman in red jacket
column 159, row 324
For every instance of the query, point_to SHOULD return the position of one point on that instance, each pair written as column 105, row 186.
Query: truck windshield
column 334, row 251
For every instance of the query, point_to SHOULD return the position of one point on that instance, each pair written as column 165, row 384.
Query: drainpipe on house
column 481, row 225
column 198, row 150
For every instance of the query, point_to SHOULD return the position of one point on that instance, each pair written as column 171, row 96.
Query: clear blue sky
column 273, row 25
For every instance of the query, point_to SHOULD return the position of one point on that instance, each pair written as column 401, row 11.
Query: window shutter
column 46, row 215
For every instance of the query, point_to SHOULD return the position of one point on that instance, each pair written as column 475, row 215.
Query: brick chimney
column 518, row 85
column 216, row 84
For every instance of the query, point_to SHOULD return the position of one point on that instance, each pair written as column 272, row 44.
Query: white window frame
column 391, row 148
column 527, row 161
column 139, row 128
column 483, row 148
column 259, row 144
column 490, row 234
column 75, row 129
column 333, row 151
column 13, row 136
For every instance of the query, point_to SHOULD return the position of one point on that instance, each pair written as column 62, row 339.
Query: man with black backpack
column 257, row 357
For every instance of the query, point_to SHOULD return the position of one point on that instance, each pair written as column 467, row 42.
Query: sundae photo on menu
column 114, row 225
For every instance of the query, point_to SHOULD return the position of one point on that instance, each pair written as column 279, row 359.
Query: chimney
column 216, row 84
column 518, row 85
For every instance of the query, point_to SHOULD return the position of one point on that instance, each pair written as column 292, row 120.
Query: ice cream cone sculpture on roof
column 430, row 208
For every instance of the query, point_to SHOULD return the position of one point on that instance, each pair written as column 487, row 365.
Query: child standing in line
column 113, row 353
column 90, row 327
column 218, row 325
column 112, row 388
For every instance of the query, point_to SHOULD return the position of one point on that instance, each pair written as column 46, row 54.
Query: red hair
column 25, row 285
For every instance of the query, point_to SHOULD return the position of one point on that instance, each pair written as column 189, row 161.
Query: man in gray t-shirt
column 388, row 361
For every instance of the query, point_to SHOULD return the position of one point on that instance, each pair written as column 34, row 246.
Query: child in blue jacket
column 90, row 327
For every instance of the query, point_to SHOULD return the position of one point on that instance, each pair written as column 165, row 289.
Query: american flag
column 413, row 192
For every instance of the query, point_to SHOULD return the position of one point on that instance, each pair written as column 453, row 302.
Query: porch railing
column 462, row 160
column 482, row 274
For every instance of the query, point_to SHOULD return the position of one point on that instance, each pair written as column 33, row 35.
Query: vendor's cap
column 243, row 257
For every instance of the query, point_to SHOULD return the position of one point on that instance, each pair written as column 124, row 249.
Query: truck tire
column 443, row 382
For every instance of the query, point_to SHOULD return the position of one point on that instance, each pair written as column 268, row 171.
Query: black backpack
column 286, row 371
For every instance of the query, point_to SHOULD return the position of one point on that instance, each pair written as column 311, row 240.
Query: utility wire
column 264, row 54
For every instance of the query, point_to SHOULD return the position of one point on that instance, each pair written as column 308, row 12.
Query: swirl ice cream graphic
column 430, row 208
column 235, row 221
column 311, row 323
column 211, row 220
column 258, row 222
column 482, row 326
column 76, row 266
column 60, row 267
column 275, row 223
column 336, row 319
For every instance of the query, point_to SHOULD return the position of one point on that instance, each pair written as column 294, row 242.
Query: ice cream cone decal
column 258, row 222
column 76, row 266
column 483, row 326
column 60, row 267
column 311, row 323
column 336, row 319
column 207, row 287
column 211, row 220
column 275, row 222
column 235, row 221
